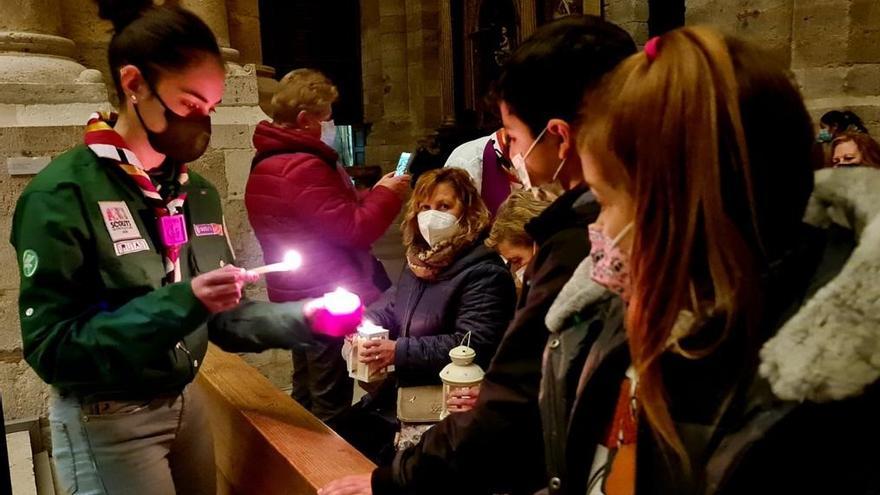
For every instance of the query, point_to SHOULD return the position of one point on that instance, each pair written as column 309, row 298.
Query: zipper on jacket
column 555, row 358
column 192, row 366
column 414, row 298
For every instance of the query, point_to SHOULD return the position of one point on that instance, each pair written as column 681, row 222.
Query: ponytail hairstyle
column 155, row 38
column 716, row 148
column 843, row 121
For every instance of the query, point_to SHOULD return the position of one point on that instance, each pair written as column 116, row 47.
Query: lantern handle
column 467, row 337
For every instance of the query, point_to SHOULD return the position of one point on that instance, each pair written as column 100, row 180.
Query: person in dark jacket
column 753, row 333
column 497, row 447
column 451, row 286
column 298, row 197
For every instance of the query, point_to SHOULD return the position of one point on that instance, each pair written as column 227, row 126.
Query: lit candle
column 341, row 302
column 292, row 261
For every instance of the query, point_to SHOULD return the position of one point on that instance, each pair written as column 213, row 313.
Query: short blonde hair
column 513, row 215
column 302, row 90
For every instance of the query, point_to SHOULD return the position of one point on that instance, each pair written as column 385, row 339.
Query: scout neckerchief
column 107, row 143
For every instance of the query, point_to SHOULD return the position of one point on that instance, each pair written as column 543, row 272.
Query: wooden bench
column 265, row 443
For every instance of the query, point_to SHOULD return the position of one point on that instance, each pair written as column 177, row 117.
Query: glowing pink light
column 342, row 302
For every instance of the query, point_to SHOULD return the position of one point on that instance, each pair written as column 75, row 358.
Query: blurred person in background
column 508, row 236
column 299, row 197
column 855, row 150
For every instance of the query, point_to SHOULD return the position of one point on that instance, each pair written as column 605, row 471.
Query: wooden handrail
column 265, row 442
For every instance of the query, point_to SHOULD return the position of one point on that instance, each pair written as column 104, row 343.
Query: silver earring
column 134, row 99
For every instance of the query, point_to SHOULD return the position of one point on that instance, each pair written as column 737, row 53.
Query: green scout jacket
column 97, row 320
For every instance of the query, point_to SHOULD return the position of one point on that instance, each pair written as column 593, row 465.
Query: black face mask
column 184, row 139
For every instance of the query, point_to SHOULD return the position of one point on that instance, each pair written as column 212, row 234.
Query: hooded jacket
column 297, row 197
column 804, row 419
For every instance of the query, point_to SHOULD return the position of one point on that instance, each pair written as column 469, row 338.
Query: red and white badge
column 118, row 220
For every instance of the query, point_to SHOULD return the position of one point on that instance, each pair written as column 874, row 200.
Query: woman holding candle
column 452, row 285
column 126, row 270
column 299, row 197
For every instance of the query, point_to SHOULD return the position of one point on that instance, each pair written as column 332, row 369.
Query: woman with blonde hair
column 452, row 286
column 299, row 197
column 744, row 378
column 509, row 237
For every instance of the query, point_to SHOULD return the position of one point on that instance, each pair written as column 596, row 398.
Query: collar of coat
column 830, row 349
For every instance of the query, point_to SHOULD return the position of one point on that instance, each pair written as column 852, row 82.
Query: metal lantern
column 461, row 373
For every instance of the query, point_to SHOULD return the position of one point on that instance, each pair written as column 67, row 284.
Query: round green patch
column 29, row 263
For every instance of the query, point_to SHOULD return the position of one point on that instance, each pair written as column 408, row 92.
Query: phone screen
column 402, row 164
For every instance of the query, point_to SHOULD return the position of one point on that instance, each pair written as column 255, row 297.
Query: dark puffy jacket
column 802, row 415
column 497, row 446
column 474, row 294
column 297, row 197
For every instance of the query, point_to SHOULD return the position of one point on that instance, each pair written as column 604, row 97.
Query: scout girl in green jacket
column 127, row 271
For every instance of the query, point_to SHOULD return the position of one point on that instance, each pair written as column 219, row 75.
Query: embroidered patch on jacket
column 29, row 263
column 120, row 224
column 207, row 229
column 133, row 246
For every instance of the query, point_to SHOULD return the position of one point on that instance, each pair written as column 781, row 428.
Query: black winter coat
column 474, row 294
column 497, row 446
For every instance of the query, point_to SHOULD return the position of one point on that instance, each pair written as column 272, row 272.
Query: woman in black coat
column 452, row 285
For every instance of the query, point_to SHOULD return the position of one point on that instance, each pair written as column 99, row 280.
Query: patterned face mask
column 610, row 263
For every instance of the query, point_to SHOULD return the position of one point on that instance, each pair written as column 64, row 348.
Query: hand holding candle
column 335, row 314
column 292, row 261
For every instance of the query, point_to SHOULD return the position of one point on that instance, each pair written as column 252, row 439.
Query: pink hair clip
column 652, row 47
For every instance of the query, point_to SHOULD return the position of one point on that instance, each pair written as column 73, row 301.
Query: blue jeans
column 161, row 446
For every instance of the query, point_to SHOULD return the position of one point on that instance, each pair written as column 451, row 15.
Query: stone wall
column 402, row 85
column 832, row 46
column 53, row 72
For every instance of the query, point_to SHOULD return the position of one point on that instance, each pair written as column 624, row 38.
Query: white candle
column 292, row 261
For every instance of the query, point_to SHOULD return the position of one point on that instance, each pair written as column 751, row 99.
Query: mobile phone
column 403, row 164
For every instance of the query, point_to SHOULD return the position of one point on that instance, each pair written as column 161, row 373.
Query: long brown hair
column 475, row 219
column 868, row 147
column 716, row 146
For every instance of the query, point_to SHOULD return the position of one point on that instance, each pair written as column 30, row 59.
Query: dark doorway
column 494, row 41
column 664, row 15
column 323, row 35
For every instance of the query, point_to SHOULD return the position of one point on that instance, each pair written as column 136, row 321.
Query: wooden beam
column 265, row 443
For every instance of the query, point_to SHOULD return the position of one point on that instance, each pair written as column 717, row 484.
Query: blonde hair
column 512, row 217
column 475, row 218
column 302, row 90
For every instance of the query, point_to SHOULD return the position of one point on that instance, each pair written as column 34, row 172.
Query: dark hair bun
column 122, row 12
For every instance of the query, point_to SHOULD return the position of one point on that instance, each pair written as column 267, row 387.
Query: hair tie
column 652, row 47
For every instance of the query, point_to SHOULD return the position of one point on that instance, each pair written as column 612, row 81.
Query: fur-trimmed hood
column 578, row 293
column 830, row 349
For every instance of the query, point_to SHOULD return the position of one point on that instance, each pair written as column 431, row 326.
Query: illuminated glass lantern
column 364, row 372
column 461, row 373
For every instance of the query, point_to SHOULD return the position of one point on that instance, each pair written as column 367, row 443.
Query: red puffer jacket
column 297, row 197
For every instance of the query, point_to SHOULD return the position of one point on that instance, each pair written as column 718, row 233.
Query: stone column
column 214, row 13
column 528, row 17
column 45, row 98
column 36, row 64
column 593, row 7
column 447, row 69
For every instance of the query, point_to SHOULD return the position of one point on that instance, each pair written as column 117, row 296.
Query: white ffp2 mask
column 437, row 226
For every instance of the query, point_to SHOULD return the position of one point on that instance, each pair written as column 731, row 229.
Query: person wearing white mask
column 299, row 197
column 452, row 285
